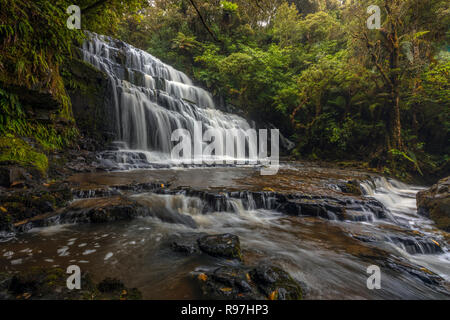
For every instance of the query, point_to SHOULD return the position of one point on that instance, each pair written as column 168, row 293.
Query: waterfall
column 150, row 100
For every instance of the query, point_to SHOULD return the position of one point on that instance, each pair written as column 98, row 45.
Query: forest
column 339, row 90
column 357, row 206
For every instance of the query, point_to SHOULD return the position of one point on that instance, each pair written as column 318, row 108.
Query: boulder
column 222, row 245
column 276, row 283
column 434, row 203
column 262, row 282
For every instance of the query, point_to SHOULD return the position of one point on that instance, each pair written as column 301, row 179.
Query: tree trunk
column 397, row 128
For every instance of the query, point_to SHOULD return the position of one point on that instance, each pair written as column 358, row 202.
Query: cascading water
column 400, row 200
column 151, row 99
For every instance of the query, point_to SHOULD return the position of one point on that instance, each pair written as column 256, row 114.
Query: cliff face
column 434, row 203
column 89, row 92
column 37, row 136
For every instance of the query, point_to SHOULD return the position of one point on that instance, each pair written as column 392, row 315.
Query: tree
column 394, row 49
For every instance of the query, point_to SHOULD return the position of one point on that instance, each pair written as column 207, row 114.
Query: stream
column 329, row 257
column 300, row 219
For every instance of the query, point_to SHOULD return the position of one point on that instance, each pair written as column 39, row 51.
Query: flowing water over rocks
column 145, row 228
column 150, row 100
column 217, row 232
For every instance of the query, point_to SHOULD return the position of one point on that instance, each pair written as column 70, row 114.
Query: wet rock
column 185, row 243
column 91, row 100
column 434, row 203
column 312, row 207
column 20, row 205
column 233, row 283
column 11, row 174
column 185, row 247
column 50, row 284
column 222, row 245
column 103, row 210
column 414, row 245
column 241, row 282
column 276, row 283
column 350, row 187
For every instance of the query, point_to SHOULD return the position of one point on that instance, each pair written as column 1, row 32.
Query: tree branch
column 203, row 21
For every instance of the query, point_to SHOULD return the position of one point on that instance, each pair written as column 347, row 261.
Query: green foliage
column 35, row 41
column 14, row 150
column 306, row 67
column 13, row 120
column 229, row 6
column 311, row 68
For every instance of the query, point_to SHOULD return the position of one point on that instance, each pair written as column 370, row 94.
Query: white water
column 150, row 100
column 400, row 199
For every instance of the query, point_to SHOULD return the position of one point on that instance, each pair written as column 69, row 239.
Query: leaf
column 226, row 289
column 3, row 209
column 202, row 277
column 273, row 295
column 420, row 33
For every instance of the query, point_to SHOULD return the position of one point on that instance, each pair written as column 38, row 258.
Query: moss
column 14, row 150
column 50, row 283
column 275, row 283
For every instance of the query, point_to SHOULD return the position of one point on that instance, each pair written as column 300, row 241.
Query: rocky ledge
column 434, row 203
column 50, row 284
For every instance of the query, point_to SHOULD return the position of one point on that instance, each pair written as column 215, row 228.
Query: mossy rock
column 15, row 151
column 222, row 245
column 50, row 284
column 276, row 283
column 264, row 282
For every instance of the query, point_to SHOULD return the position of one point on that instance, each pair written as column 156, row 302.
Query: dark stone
column 185, row 246
column 50, row 284
column 223, row 246
column 233, row 283
column 11, row 174
column 417, row 245
column 351, row 187
column 110, row 285
column 241, row 282
column 434, row 203
column 103, row 210
column 276, row 283
column 91, row 104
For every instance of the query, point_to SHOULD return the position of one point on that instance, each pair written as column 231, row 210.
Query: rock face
column 91, row 103
column 434, row 203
